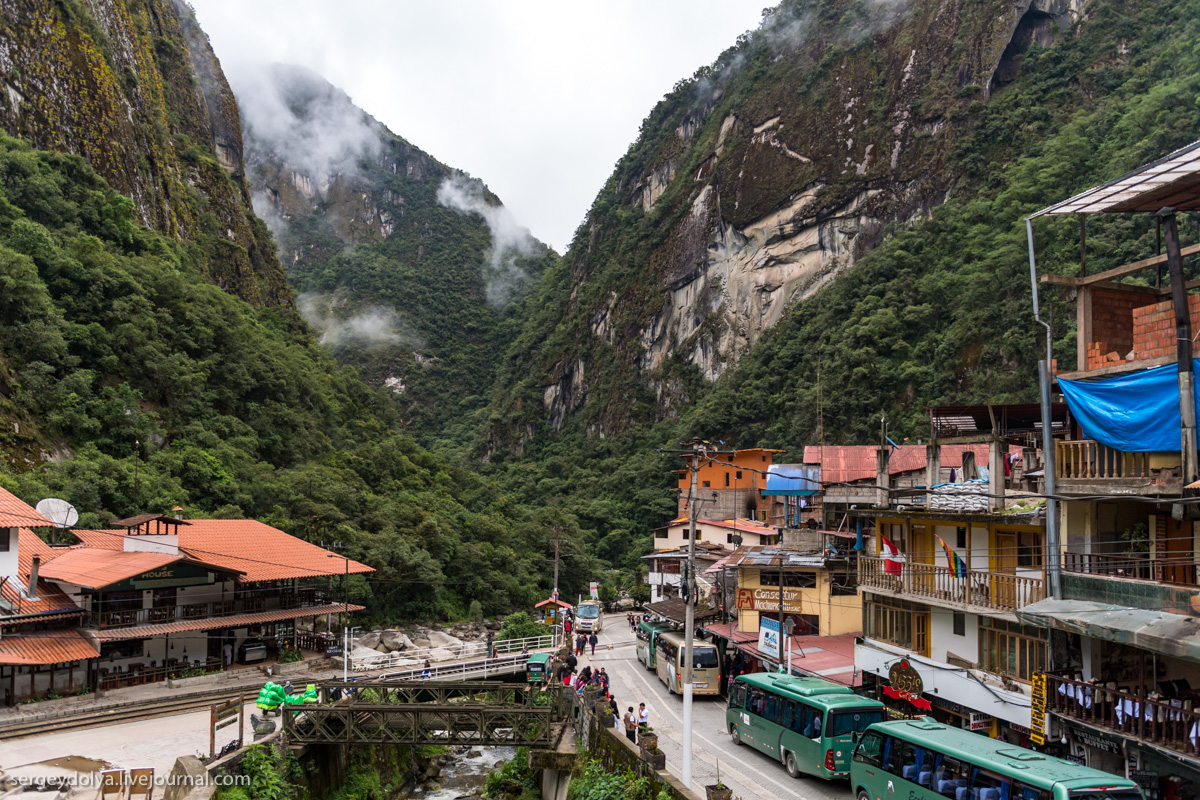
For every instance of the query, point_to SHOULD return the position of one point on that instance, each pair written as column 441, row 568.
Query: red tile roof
column 840, row 464
column 50, row 599
column 212, row 623
column 92, row 568
column 16, row 513
column 261, row 552
column 51, row 647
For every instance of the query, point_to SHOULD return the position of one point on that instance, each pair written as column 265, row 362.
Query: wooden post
column 1183, row 348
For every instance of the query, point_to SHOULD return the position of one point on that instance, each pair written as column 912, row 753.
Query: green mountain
column 144, row 363
column 411, row 270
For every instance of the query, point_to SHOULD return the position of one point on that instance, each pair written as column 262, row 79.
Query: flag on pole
column 957, row 565
column 893, row 558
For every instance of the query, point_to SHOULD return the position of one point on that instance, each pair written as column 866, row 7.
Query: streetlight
column 345, row 617
column 789, row 625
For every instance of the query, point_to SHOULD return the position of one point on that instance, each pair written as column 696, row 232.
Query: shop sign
column 1074, row 759
column 946, row 705
column 1095, row 742
column 1147, row 779
column 1037, row 709
column 179, row 574
column 980, row 722
column 768, row 600
column 906, row 684
column 768, row 636
column 594, row 590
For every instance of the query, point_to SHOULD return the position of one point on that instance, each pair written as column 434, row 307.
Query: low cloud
column 374, row 327
column 504, row 278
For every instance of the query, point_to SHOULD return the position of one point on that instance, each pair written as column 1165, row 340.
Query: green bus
column 537, row 668
column 809, row 724
column 924, row 760
column 647, row 632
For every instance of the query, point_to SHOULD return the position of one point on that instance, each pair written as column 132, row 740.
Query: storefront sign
column 1095, row 742
column 594, row 590
column 980, row 722
column 906, row 684
column 1147, row 779
column 1074, row 759
column 1037, row 709
column 768, row 600
column 179, row 574
column 768, row 636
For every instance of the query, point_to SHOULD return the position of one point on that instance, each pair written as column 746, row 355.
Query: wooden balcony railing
column 1085, row 459
column 138, row 674
column 1172, row 723
column 303, row 598
column 928, row 582
column 1181, row 571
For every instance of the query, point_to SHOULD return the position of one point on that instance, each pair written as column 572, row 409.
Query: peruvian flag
column 893, row 558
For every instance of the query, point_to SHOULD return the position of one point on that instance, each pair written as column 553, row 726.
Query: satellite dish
column 60, row 512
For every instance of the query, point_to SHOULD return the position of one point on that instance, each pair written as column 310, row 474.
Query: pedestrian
column 630, row 723
column 580, row 643
column 572, row 661
column 566, row 626
column 228, row 650
column 585, row 674
column 615, row 711
column 603, row 680
column 525, row 649
column 592, row 641
column 643, row 717
column 425, row 674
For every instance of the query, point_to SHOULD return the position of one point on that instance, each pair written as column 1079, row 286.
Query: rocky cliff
column 134, row 88
column 757, row 182
column 410, row 269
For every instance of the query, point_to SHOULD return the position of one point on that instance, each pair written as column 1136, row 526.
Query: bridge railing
column 505, row 665
column 467, row 650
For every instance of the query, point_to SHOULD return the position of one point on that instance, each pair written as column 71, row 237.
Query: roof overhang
column 1158, row 631
column 1171, row 182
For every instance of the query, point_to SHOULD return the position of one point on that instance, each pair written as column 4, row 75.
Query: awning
column 1158, row 631
column 675, row 610
column 48, row 647
column 793, row 480
column 212, row 623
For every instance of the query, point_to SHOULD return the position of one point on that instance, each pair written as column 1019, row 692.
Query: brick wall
column 1154, row 329
column 1112, row 324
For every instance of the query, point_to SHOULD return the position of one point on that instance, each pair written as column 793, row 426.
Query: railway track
column 116, row 715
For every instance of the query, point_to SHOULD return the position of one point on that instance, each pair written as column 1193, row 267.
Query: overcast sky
column 538, row 98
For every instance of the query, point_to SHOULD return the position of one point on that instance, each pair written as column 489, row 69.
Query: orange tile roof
column 50, row 599
column 92, row 568
column 16, row 513
column 50, row 647
column 213, row 623
column 261, row 552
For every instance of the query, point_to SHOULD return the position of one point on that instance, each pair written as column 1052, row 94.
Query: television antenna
column 60, row 512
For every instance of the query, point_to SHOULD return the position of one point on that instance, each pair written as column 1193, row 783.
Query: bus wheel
column 862, row 795
column 733, row 732
column 791, row 765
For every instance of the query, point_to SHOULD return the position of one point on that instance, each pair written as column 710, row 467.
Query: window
column 662, row 534
column 1029, row 549
column 900, row 623
column 729, row 538
column 960, row 624
column 960, row 537
column 738, row 475
column 853, row 720
column 1021, row 791
column 870, row 750
column 706, row 484
column 5, row 533
column 949, row 774
column 802, row 580
column 726, row 480
column 843, row 584
column 705, row 658
column 737, row 695
column 808, row 721
column 1007, row 648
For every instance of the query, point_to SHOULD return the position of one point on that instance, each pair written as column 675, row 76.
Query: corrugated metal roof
column 1157, row 631
column 213, row 623
column 845, row 463
column 50, row 647
column 756, row 557
column 1172, row 181
column 16, row 513
column 675, row 610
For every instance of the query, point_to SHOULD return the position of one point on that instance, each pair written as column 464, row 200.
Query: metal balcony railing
column 998, row 591
column 1085, row 459
column 1181, row 571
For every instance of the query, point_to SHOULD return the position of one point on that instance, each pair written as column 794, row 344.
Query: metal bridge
column 389, row 712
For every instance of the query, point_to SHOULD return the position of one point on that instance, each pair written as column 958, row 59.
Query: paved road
column 751, row 775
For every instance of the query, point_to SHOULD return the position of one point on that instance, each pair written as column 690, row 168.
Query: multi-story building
column 729, row 485
column 665, row 569
column 720, row 532
column 1123, row 685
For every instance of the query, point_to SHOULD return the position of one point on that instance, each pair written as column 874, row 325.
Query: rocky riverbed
column 460, row 773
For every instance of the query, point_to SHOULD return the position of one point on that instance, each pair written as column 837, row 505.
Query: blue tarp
column 793, row 480
column 1134, row 413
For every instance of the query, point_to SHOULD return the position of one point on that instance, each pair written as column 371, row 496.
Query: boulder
column 422, row 642
column 381, row 648
column 369, row 640
column 440, row 639
column 365, row 652
column 441, row 654
column 395, row 641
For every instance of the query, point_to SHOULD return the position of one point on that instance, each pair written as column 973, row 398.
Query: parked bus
column 809, row 724
column 668, row 663
column 925, row 760
column 588, row 618
column 647, row 638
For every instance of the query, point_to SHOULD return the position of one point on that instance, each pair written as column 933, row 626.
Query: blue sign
column 768, row 636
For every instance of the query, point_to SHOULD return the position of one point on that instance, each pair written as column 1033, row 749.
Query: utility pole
column 557, row 533
column 698, row 450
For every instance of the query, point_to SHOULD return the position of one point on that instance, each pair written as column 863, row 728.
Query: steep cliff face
column 134, row 88
column 757, row 182
column 410, row 269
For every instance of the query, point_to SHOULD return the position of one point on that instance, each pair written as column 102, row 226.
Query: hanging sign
column 906, row 685
column 980, row 722
column 768, row 636
column 1037, row 709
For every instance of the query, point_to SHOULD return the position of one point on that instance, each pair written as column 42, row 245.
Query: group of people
column 633, row 618
column 633, row 723
column 583, row 640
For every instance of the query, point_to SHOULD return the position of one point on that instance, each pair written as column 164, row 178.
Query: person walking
column 566, row 626
column 592, row 641
column 630, row 723
column 603, row 680
column 228, row 651
column 580, row 643
column 615, row 710
column 425, row 674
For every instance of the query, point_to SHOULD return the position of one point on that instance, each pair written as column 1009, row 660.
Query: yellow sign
column 1037, row 709
column 768, row 600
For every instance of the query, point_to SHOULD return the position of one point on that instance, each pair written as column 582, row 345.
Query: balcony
column 125, row 618
column 1181, row 572
column 1171, row 723
column 940, row 586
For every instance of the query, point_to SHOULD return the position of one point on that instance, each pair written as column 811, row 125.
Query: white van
column 588, row 617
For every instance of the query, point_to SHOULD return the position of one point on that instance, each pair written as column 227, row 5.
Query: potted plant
column 718, row 791
column 648, row 741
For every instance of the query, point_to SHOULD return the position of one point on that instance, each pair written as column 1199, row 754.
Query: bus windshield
column 704, row 658
column 589, row 612
column 853, row 720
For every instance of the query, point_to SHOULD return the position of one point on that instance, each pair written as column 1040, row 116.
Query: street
column 750, row 774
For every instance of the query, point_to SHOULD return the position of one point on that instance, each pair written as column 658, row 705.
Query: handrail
column 1084, row 459
column 1140, row 567
column 453, row 652
column 994, row 590
column 123, row 618
column 1158, row 720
